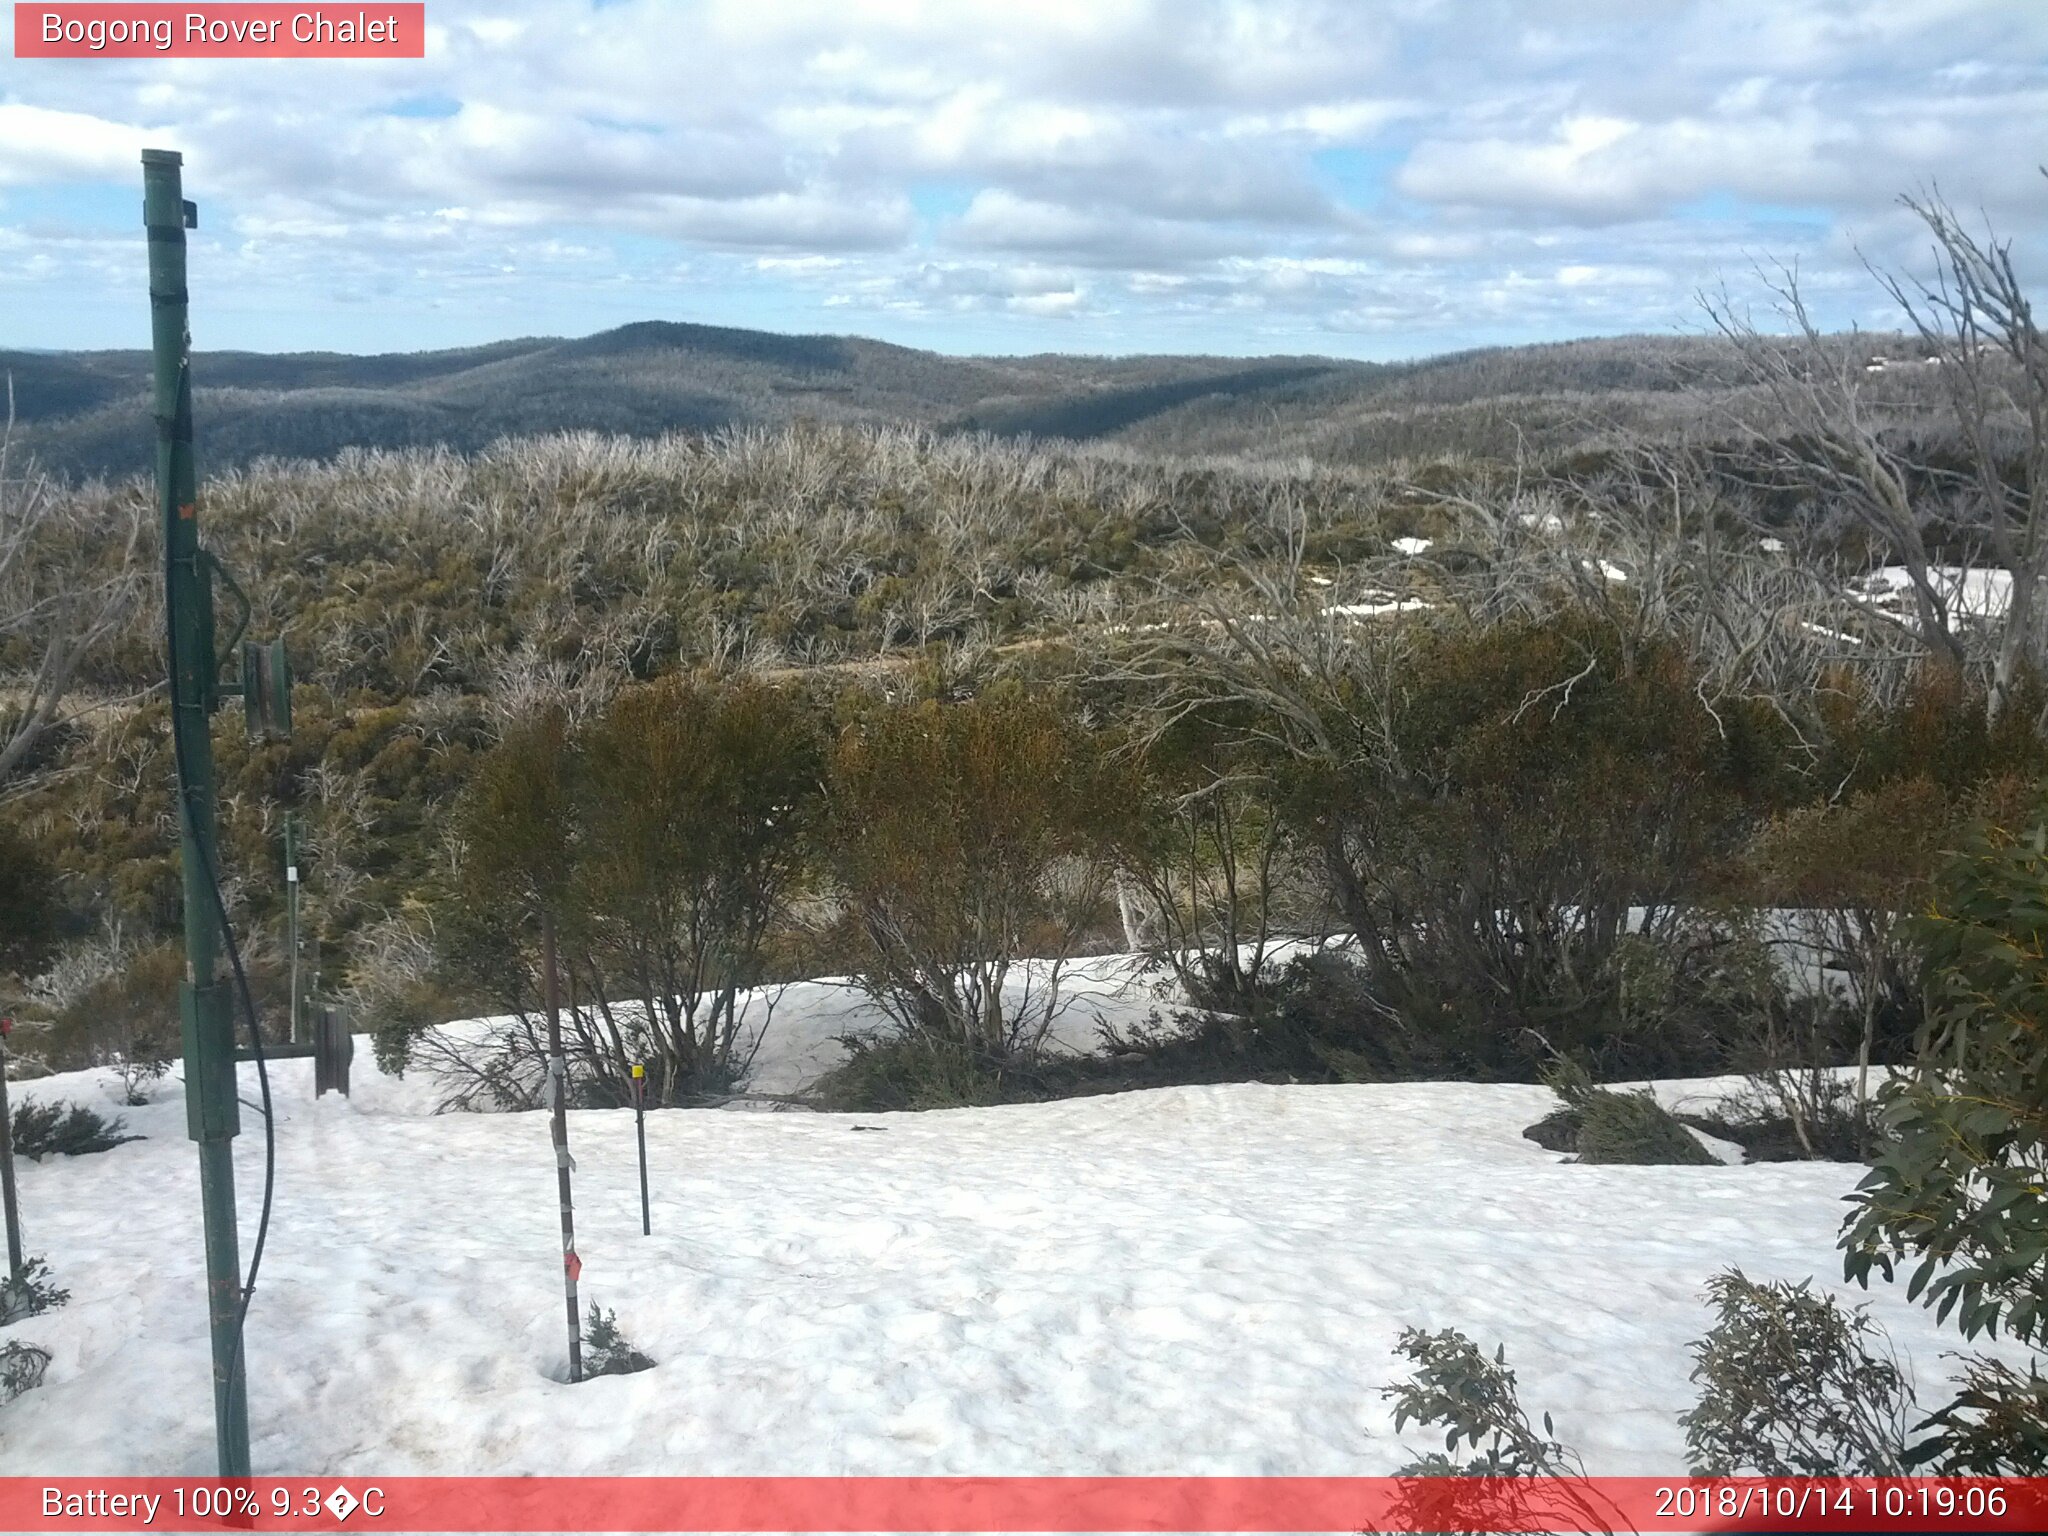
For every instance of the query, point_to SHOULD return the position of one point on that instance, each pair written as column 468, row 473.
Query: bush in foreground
column 1959, row 1191
column 46, row 1127
column 21, row 1368
column 29, row 1293
column 1792, row 1385
column 1473, row 1399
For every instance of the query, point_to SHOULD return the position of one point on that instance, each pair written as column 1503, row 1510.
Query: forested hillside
column 84, row 414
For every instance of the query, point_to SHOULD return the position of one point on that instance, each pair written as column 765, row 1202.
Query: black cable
column 227, row 935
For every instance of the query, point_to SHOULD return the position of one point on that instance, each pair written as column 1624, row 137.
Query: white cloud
column 46, row 145
column 1410, row 173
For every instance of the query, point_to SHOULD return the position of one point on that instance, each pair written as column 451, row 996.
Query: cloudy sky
column 1367, row 178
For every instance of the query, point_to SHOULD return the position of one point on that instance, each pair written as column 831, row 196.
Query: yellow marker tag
column 638, row 1070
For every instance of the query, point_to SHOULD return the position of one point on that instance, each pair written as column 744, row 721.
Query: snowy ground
column 1201, row 1280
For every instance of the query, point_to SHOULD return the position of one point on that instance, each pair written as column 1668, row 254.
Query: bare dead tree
column 70, row 574
column 1977, row 327
column 1828, row 433
column 1975, row 320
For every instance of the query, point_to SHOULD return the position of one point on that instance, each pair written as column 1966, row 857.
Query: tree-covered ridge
column 86, row 413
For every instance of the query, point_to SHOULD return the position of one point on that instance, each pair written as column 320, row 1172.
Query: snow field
column 1195, row 1280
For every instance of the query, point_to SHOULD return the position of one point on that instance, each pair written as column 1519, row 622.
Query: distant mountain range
column 86, row 413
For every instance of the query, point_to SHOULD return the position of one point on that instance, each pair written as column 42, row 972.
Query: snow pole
column 291, row 881
column 640, row 1129
column 14, row 1259
column 558, row 1104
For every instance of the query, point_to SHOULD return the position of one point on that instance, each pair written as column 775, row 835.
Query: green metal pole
column 212, row 1114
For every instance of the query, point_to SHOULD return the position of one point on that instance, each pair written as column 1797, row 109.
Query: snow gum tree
column 1836, row 430
column 966, row 836
column 665, row 836
column 695, row 803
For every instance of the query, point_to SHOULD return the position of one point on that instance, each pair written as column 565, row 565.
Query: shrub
column 1531, row 1481
column 28, row 902
column 394, row 989
column 1995, row 1426
column 914, row 1072
column 1619, row 1127
column 1790, row 1116
column 1473, row 1399
column 1634, row 1128
column 391, row 1046
column 136, row 1074
column 966, row 837
column 43, row 1127
column 30, row 1292
column 695, row 800
column 1557, row 1131
column 1316, row 1022
column 664, row 838
column 1960, row 1187
column 1213, row 879
column 1794, row 1386
column 1491, row 804
column 606, row 1351
column 121, row 1011
column 1853, row 868
column 21, row 1368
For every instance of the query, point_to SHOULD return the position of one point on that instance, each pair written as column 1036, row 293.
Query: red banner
column 1052, row 1504
column 214, row 31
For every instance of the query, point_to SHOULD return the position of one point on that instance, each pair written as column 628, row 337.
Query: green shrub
column 1527, row 1480
column 1455, row 1388
column 1618, row 1127
column 1313, row 1023
column 1557, row 1131
column 1635, row 1128
column 21, row 1368
column 28, row 901
column 30, row 1292
column 43, row 1127
column 1959, row 1189
column 606, row 1351
column 1492, row 800
column 965, row 837
column 665, row 837
column 898, row 1072
column 1995, row 1426
column 126, row 1019
column 1790, row 1116
column 1794, row 1386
